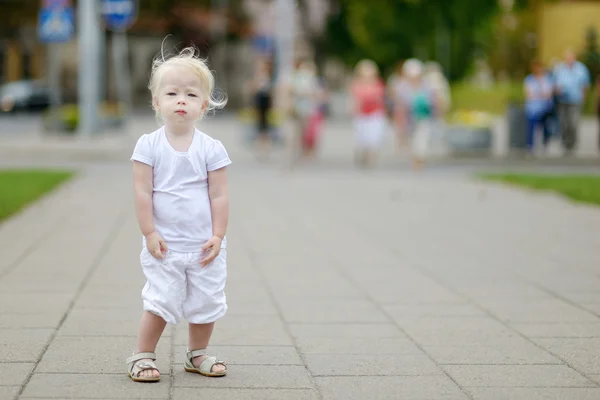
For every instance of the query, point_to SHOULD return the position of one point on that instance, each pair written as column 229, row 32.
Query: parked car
column 25, row 95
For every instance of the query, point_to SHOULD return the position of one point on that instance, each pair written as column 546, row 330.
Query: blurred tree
column 15, row 14
column 591, row 55
column 387, row 31
column 190, row 20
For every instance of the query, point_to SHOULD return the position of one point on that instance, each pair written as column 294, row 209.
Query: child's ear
column 155, row 102
column 204, row 106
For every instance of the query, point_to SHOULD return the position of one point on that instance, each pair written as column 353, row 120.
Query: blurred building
column 563, row 25
column 22, row 56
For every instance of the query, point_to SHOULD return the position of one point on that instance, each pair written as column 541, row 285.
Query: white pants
column 178, row 285
column 428, row 138
column 370, row 130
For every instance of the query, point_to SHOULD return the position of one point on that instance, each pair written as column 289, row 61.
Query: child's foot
column 141, row 367
column 148, row 372
column 216, row 368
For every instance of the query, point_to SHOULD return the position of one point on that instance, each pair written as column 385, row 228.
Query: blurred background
column 82, row 67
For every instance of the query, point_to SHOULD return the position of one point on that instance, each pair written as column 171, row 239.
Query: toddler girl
column 182, row 208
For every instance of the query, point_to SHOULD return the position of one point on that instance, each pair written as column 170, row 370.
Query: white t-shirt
column 181, row 205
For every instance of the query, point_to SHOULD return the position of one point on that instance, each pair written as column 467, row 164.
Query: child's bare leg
column 151, row 328
column 199, row 337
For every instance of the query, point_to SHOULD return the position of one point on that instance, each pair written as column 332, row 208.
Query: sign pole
column 89, row 67
column 53, row 57
column 119, row 49
column 118, row 16
column 55, row 26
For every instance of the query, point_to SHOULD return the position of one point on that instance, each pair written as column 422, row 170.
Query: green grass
column 495, row 100
column 580, row 188
column 21, row 187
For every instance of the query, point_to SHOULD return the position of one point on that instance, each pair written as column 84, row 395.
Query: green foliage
column 580, row 188
column 493, row 100
column 591, row 56
column 21, row 187
column 388, row 31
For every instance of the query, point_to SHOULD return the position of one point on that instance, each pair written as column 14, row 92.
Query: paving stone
column 25, row 303
column 9, row 392
column 524, row 353
column 343, row 310
column 509, row 393
column 365, row 365
column 14, row 373
column 250, row 376
column 96, row 355
column 247, row 394
column 23, row 345
column 581, row 353
column 517, row 375
column 389, row 388
column 249, row 355
column 538, row 310
column 343, row 331
column 93, row 386
column 558, row 330
column 449, row 331
column 357, row 346
column 28, row 321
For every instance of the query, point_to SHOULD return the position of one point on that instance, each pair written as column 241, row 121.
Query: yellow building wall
column 564, row 25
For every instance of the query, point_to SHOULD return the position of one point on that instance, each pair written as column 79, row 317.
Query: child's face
column 180, row 97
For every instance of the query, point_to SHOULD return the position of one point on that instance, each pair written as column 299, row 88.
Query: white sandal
column 206, row 366
column 136, row 367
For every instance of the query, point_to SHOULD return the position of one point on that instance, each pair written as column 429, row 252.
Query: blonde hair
column 364, row 67
column 189, row 58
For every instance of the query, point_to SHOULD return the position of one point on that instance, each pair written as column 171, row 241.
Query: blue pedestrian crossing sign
column 56, row 21
column 119, row 15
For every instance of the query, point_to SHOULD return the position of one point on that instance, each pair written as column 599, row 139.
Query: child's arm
column 219, row 201
column 219, row 206
column 142, row 186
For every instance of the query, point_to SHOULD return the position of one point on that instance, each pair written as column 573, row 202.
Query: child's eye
column 171, row 94
column 192, row 95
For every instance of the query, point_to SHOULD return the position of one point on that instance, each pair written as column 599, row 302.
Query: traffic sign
column 119, row 15
column 56, row 21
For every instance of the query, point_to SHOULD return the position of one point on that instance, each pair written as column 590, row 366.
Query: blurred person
column 572, row 81
column 307, row 112
column 182, row 208
column 395, row 85
column 598, row 106
column 421, row 109
column 538, row 104
column 436, row 81
column 261, row 87
column 368, row 96
column 552, row 121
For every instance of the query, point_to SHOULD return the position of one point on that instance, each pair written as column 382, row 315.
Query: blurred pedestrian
column 368, row 95
column 421, row 105
column 307, row 112
column 572, row 81
column 398, row 111
column 538, row 104
column 261, row 87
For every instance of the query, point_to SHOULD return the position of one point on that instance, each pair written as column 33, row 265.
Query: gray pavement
column 343, row 284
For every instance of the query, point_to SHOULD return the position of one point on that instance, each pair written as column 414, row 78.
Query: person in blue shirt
column 538, row 103
column 572, row 82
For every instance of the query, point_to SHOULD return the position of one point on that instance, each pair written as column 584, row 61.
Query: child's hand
column 156, row 245
column 211, row 250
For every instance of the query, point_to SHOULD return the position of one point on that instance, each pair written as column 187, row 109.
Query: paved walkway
column 343, row 285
